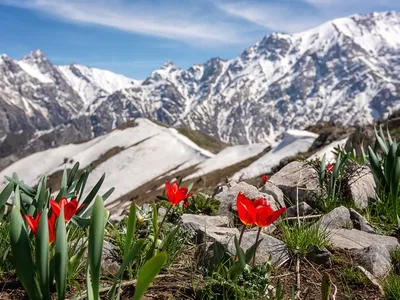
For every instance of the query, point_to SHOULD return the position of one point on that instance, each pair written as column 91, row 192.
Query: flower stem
column 241, row 234
column 256, row 246
column 157, row 234
column 163, row 220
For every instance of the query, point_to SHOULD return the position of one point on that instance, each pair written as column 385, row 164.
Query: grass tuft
column 391, row 287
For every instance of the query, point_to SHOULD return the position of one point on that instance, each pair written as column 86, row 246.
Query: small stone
column 320, row 256
column 359, row 222
column 375, row 258
column 110, row 260
column 304, row 210
column 337, row 218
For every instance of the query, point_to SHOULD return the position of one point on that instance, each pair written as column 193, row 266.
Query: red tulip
column 70, row 208
column 175, row 194
column 256, row 212
column 330, row 168
column 264, row 179
column 265, row 216
column 34, row 224
column 246, row 210
column 52, row 227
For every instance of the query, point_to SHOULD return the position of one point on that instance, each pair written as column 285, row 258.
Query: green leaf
column 131, row 255
column 147, row 273
column 96, row 237
column 169, row 238
column 41, row 194
column 64, row 179
column 6, row 193
column 250, row 252
column 17, row 198
column 72, row 174
column 88, row 200
column 131, row 229
column 26, row 189
column 42, row 254
column 21, row 250
column 240, row 254
column 108, row 193
column 61, row 256
column 382, row 142
column 80, row 186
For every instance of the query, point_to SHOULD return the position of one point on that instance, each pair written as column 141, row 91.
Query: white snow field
column 293, row 142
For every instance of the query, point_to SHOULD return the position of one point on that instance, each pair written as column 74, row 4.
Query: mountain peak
column 35, row 56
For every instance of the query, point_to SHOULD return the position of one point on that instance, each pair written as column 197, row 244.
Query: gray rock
column 361, row 187
column 271, row 189
column 212, row 228
column 320, row 256
column 356, row 239
column 337, row 218
column 269, row 246
column 110, row 260
column 375, row 258
column 359, row 222
column 304, row 210
column 228, row 197
column 298, row 177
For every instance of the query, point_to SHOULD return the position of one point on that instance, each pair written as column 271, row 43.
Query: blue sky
column 134, row 37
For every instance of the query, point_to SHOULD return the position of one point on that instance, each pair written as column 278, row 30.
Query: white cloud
column 173, row 20
column 273, row 15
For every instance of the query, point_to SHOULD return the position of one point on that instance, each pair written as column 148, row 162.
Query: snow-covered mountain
column 346, row 71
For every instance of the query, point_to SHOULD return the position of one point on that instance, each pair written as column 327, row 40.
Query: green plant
column 330, row 177
column 353, row 276
column 391, row 287
column 396, row 261
column 300, row 239
column 384, row 160
column 230, row 276
column 202, row 204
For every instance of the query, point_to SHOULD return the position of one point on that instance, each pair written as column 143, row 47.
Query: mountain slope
column 345, row 71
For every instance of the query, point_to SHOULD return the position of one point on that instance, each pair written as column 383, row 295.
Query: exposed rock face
column 271, row 189
column 298, row 178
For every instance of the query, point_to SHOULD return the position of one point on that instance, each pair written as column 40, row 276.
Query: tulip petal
column 246, row 210
column 266, row 216
column 55, row 207
column 260, row 202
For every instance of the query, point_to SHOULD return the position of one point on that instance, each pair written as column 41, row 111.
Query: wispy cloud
column 184, row 21
column 203, row 22
column 280, row 16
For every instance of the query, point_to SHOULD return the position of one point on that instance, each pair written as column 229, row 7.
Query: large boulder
column 298, row 178
column 356, row 239
column 269, row 246
column 228, row 194
column 337, row 218
column 376, row 259
column 361, row 187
